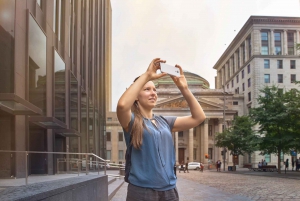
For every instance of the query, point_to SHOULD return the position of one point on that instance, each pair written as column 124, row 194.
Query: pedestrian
column 259, row 165
column 293, row 163
column 187, row 166
column 219, row 165
column 150, row 155
column 264, row 163
column 201, row 167
column 298, row 164
column 181, row 166
column 286, row 165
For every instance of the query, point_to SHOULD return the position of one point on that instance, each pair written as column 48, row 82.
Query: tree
column 239, row 138
column 273, row 116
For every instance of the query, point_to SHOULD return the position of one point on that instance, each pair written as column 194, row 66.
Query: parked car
column 191, row 166
column 194, row 166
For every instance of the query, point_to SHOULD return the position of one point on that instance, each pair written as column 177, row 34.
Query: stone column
column 272, row 46
column 176, row 147
column 284, row 42
column 218, row 149
column 246, row 50
column 191, row 144
column 205, row 139
column 227, row 74
column 241, row 56
column 297, row 41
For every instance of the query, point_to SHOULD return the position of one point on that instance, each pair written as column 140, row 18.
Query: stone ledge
column 70, row 186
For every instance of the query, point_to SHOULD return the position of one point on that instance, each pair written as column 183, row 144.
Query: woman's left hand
column 180, row 82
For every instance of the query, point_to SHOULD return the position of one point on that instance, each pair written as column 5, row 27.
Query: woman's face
column 147, row 97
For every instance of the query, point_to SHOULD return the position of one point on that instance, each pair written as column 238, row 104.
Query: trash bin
column 229, row 168
column 122, row 171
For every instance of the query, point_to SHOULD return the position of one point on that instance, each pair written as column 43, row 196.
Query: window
column 120, row 136
column 235, row 103
column 237, row 79
column 210, row 130
column 109, row 119
column 237, row 90
column 248, row 68
column 277, row 37
column 268, row 158
column 293, row 64
column 279, row 64
column 180, row 134
column 249, row 82
column 121, row 155
column 244, row 55
column 210, row 153
column 264, row 43
column 108, row 136
column 293, row 78
column 238, row 58
column 266, row 63
column 243, row 86
column 249, row 96
column 290, row 40
column 267, row 78
column 108, row 154
column 280, row 78
column 243, row 74
column 232, row 83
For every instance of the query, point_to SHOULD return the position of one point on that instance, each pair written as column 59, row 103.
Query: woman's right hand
column 153, row 67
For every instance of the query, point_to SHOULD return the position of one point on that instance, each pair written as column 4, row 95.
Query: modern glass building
column 55, row 81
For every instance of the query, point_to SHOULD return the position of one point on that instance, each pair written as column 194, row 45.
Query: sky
column 191, row 33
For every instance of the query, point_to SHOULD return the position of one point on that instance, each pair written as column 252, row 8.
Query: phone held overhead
column 171, row 70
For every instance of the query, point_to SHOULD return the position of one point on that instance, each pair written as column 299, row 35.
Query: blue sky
column 191, row 33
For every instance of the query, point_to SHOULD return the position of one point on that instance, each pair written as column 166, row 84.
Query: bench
column 265, row 168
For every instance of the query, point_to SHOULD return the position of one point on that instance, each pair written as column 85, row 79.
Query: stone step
column 114, row 186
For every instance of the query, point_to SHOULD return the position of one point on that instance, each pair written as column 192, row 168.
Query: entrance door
column 60, row 146
column 235, row 159
column 181, row 155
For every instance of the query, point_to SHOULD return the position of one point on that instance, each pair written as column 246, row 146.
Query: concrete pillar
column 272, row 41
column 176, row 147
column 205, row 139
column 246, row 50
column 256, row 42
column 191, row 144
column 241, row 56
column 202, row 143
column 284, row 43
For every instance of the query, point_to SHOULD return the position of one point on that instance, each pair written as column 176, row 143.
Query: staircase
column 114, row 183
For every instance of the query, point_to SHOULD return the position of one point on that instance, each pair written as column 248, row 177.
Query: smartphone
column 171, row 70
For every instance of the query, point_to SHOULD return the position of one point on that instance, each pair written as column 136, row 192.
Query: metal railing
column 103, row 161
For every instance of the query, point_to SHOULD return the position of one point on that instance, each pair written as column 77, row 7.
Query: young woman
column 152, row 156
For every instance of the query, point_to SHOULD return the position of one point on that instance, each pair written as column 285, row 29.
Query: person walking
column 297, row 164
column 286, row 165
column 293, row 163
column 181, row 166
column 150, row 154
column 187, row 166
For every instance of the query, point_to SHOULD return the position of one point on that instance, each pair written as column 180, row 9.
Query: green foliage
column 239, row 138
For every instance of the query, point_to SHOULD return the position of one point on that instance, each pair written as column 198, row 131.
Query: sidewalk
column 189, row 190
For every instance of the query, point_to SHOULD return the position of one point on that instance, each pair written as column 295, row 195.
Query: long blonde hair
column 138, row 125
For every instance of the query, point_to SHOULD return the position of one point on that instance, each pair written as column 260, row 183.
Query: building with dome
column 196, row 144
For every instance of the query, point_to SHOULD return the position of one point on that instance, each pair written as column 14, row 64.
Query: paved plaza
column 242, row 185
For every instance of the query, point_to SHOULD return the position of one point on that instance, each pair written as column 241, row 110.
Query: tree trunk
column 278, row 161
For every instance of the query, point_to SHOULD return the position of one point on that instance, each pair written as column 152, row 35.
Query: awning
column 47, row 122
column 16, row 105
column 67, row 132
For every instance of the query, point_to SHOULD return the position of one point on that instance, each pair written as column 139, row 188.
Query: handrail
column 46, row 152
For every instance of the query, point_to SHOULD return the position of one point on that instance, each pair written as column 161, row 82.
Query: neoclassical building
column 263, row 53
column 196, row 142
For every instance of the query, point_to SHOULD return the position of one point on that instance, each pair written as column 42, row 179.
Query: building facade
column 55, row 63
column 263, row 53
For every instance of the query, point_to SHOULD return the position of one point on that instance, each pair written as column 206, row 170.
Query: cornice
column 253, row 20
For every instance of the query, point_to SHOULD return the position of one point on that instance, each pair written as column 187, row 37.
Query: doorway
column 181, row 155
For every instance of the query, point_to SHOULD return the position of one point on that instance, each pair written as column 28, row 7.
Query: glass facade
column 7, row 41
column 37, row 65
column 59, row 87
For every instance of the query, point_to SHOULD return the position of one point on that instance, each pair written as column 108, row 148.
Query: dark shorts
column 135, row 193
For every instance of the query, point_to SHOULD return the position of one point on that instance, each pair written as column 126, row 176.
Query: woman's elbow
column 202, row 118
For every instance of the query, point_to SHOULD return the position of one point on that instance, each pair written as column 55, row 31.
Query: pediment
column 180, row 102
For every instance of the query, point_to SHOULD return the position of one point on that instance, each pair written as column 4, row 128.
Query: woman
column 151, row 175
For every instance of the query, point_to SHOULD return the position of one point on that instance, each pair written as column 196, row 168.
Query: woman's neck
column 146, row 113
